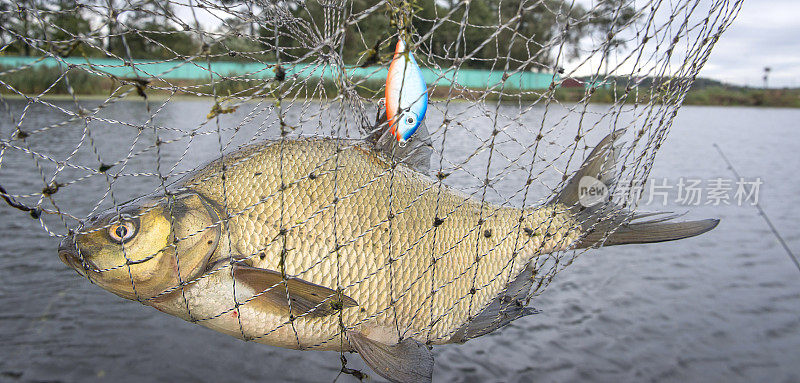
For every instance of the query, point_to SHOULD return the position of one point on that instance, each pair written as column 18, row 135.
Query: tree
column 20, row 26
column 149, row 31
column 607, row 19
column 65, row 26
column 516, row 29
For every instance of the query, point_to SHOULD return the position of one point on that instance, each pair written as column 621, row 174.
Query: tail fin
column 612, row 232
column 604, row 223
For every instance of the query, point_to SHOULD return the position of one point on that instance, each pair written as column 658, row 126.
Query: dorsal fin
column 416, row 152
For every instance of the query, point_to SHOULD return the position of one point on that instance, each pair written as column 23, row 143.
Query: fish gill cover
column 247, row 184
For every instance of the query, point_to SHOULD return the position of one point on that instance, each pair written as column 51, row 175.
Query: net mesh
column 99, row 97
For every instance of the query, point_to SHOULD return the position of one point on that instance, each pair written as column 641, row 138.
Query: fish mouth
column 68, row 253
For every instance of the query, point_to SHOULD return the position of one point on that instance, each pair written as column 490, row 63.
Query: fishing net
column 105, row 101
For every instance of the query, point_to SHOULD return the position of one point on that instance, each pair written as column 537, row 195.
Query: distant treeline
column 147, row 29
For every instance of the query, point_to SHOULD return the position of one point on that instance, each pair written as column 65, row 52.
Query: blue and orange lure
column 406, row 94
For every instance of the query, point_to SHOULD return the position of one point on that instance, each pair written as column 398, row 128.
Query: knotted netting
column 106, row 101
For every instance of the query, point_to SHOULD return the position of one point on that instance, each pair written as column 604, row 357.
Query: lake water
column 721, row 307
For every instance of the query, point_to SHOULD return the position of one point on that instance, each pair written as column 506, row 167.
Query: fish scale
column 430, row 301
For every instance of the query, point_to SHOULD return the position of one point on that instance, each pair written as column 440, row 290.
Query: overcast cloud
column 766, row 33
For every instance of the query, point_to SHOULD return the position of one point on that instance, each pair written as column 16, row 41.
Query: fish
column 406, row 94
column 315, row 243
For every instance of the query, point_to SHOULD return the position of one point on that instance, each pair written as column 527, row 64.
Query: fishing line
column 761, row 211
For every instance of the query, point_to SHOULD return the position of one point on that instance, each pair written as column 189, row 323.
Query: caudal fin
column 605, row 223
column 610, row 233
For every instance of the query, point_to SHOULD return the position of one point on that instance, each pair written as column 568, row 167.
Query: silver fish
column 325, row 244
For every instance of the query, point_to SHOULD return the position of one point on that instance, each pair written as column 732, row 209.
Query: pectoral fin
column 306, row 298
column 407, row 361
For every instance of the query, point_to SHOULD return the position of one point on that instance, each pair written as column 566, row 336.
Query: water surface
column 724, row 306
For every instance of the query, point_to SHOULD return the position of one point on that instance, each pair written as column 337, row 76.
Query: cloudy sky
column 766, row 33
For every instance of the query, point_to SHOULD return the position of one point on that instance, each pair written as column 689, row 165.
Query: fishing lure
column 406, row 94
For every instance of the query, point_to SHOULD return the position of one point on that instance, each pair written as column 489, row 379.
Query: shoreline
column 693, row 98
column 88, row 86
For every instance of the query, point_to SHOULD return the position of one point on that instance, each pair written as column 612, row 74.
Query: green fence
column 202, row 70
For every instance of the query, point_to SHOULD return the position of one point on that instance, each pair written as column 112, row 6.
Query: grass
column 33, row 81
column 787, row 98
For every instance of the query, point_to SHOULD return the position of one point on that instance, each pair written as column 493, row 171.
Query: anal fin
column 504, row 309
column 404, row 362
column 492, row 318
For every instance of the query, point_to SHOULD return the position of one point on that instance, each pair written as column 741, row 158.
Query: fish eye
column 121, row 232
column 410, row 119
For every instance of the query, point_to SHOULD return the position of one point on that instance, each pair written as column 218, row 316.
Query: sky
column 766, row 33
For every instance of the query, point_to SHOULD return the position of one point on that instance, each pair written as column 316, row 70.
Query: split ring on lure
column 406, row 94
